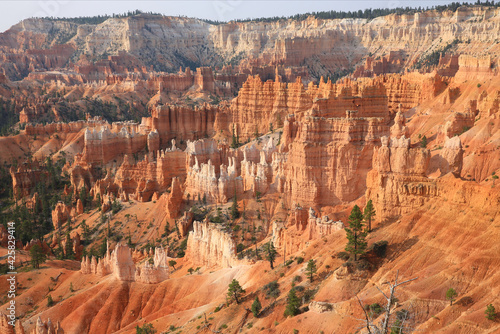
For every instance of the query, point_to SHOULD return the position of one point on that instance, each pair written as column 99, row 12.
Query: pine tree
column 293, row 304
column 490, row 312
column 271, row 253
column 423, row 143
column 83, row 196
column 172, row 263
column 234, row 141
column 368, row 214
column 37, row 256
column 311, row 269
column 235, row 291
column 256, row 306
column 356, row 237
column 235, row 214
column 68, row 249
column 451, row 294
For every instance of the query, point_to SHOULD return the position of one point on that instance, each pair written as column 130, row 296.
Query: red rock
column 60, row 215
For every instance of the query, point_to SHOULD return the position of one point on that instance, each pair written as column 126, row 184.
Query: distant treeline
column 364, row 14
column 332, row 14
column 97, row 19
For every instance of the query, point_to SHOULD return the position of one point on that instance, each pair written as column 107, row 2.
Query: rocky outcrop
column 155, row 271
column 398, row 183
column 452, row 156
column 25, row 177
column 40, row 327
column 60, row 215
column 120, row 265
column 328, row 158
column 104, row 144
column 150, row 176
column 173, row 199
column 301, row 228
column 391, row 63
column 209, row 245
column 184, row 223
column 181, row 123
column 459, row 123
column 473, row 67
column 47, row 327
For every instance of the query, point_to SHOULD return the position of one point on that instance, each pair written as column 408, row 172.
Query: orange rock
column 60, row 215
column 79, row 207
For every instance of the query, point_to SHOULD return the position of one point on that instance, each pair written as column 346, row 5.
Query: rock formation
column 302, row 227
column 120, row 265
column 209, row 245
column 25, row 177
column 398, row 183
column 60, row 215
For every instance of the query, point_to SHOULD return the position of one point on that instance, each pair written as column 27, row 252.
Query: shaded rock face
column 25, row 177
column 302, row 227
column 398, row 183
column 452, row 156
column 60, row 215
column 209, row 245
column 144, row 178
column 120, row 265
column 248, row 169
column 174, row 199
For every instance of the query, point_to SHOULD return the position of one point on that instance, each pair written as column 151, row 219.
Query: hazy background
column 11, row 12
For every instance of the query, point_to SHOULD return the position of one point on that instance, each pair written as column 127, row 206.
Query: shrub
column 343, row 256
column 376, row 309
column 288, row 262
column 300, row 259
column 363, row 265
column 146, row 329
column 50, row 301
column 380, row 248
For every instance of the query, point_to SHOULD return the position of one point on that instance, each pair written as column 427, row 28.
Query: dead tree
column 384, row 327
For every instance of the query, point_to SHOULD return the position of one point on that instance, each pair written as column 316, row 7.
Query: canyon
column 155, row 159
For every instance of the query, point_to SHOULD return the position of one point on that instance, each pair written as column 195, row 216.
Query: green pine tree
column 356, row 236
column 311, row 269
column 256, row 306
column 68, row 249
column 368, row 214
column 235, row 214
column 293, row 304
column 271, row 253
column 37, row 256
column 490, row 312
column 235, row 291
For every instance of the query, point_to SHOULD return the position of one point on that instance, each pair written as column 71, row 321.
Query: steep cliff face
column 398, row 183
column 209, row 245
column 144, row 178
column 324, row 47
column 302, row 227
column 25, row 177
column 181, row 123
